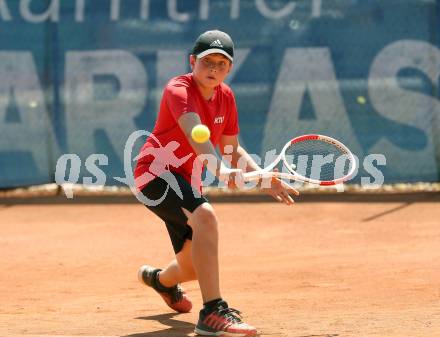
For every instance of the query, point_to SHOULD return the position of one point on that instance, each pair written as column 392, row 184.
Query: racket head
column 319, row 159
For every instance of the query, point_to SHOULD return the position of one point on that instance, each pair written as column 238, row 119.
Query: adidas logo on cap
column 213, row 41
column 216, row 43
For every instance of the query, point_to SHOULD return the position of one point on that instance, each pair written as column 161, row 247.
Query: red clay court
column 316, row 269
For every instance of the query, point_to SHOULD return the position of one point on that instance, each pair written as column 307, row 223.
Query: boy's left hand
column 280, row 190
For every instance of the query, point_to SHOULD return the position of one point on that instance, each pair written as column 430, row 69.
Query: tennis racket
column 314, row 159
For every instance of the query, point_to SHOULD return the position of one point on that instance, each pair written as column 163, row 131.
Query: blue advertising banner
column 79, row 76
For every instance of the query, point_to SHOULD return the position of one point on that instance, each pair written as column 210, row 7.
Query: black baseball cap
column 214, row 41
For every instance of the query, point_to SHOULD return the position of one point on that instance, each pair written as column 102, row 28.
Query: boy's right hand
column 232, row 177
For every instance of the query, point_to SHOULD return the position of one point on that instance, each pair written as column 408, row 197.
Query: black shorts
column 170, row 209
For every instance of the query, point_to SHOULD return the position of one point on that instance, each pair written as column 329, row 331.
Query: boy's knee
column 204, row 218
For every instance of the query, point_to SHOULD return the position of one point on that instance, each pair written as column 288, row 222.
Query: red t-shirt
column 180, row 96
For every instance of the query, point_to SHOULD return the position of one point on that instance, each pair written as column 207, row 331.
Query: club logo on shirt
column 219, row 120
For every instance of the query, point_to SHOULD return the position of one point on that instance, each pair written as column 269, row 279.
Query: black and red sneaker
column 223, row 321
column 174, row 297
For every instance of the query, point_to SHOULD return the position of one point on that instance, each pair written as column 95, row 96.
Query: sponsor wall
column 79, row 76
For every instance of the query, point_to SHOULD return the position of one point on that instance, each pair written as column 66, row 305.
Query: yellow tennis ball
column 200, row 133
column 361, row 100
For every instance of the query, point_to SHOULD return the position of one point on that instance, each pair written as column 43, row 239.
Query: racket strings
column 317, row 159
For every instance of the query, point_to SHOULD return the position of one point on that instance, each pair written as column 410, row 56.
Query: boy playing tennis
column 196, row 98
